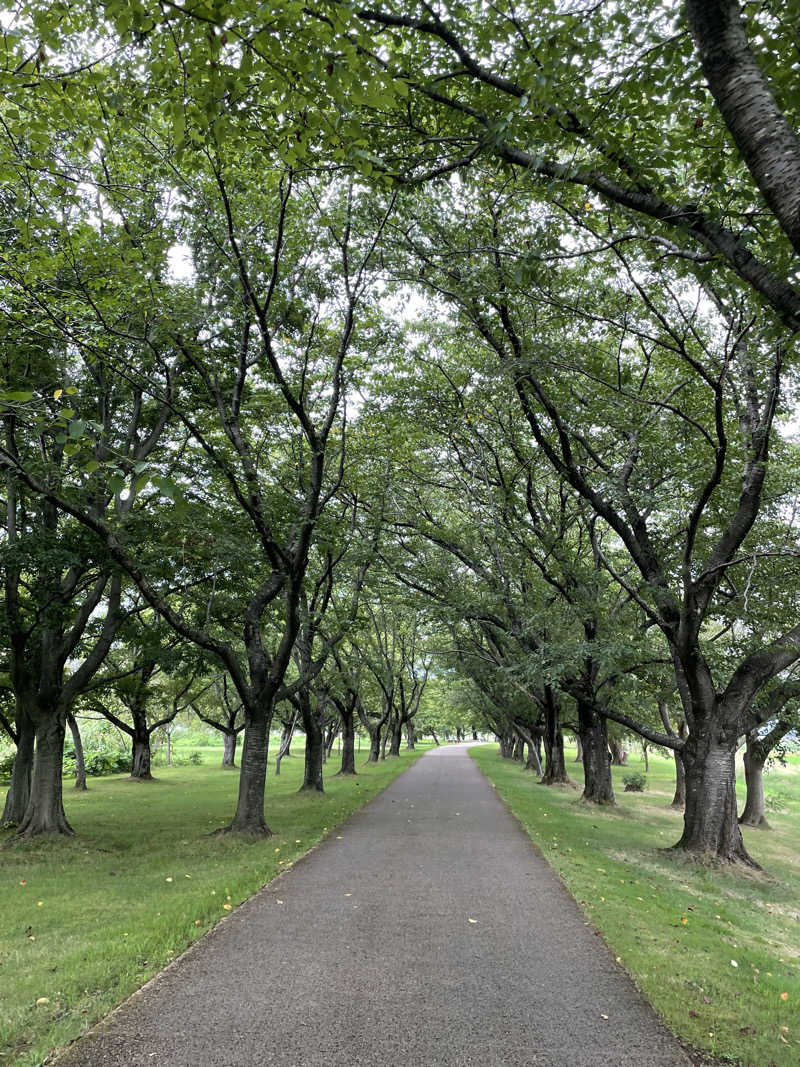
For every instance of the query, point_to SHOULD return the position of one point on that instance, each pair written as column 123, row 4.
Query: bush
column 635, row 783
column 7, row 764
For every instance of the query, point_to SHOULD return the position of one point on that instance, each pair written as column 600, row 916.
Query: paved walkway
column 371, row 958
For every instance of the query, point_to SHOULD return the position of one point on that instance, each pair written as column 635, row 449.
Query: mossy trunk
column 45, row 811
column 19, row 791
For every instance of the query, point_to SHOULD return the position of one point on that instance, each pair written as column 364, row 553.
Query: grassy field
column 716, row 953
column 88, row 920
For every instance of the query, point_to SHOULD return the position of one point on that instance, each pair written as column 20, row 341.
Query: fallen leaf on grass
column 784, row 996
column 42, row 1001
column 227, row 907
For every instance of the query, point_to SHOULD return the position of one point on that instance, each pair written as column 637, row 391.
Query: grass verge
column 86, row 921
column 717, row 953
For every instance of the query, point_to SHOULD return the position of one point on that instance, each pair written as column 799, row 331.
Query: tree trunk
column 19, row 791
column 679, row 800
column 646, row 758
column 411, row 737
column 555, row 770
column 710, row 825
column 518, row 751
column 475, row 735
column 374, row 745
column 754, row 813
column 579, row 753
column 140, row 763
column 435, row 738
column 385, row 741
column 249, row 817
column 397, row 736
column 229, row 750
column 460, row 734
column 619, row 757
column 506, row 745
column 348, row 741
column 533, row 762
column 315, row 747
column 598, row 787
column 80, row 762
column 45, row 811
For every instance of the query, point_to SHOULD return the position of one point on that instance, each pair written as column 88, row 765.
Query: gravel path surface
column 426, row 931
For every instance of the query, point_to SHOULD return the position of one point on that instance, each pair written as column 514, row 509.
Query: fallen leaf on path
column 472, row 920
column 603, row 1016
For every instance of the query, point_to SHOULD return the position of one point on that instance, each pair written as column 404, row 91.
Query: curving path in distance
column 364, row 954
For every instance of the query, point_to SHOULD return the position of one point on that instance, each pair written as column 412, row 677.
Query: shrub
column 7, row 764
column 635, row 783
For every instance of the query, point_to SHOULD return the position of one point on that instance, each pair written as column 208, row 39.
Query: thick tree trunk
column 19, row 792
column 411, row 736
column 348, row 742
column 710, row 826
column 45, row 811
column 506, row 745
column 619, row 757
column 229, row 750
column 386, row 734
column 140, row 763
column 397, row 737
column 555, row 770
column 80, row 762
column 474, row 735
column 754, row 812
column 460, row 734
column 249, row 817
column 374, row 745
column 315, row 747
column 598, row 787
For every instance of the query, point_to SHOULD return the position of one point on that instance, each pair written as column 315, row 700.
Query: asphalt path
column 426, row 931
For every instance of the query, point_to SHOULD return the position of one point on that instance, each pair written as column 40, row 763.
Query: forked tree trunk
column 598, row 787
column 229, row 750
column 45, row 811
column 80, row 762
column 249, row 817
column 754, row 812
column 348, row 741
column 19, row 791
column 710, row 825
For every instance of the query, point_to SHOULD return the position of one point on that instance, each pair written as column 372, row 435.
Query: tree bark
column 598, row 787
column 763, row 135
column 710, row 826
column 579, row 753
column 348, row 741
column 679, row 800
column 140, row 752
column 80, row 762
column 619, row 757
column 249, row 816
column 555, row 770
column 754, row 812
column 19, row 791
column 315, row 746
column 229, row 751
column 397, row 736
column 411, row 737
column 45, row 811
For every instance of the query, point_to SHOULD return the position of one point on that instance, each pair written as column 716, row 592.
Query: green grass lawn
column 86, row 921
column 717, row 953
